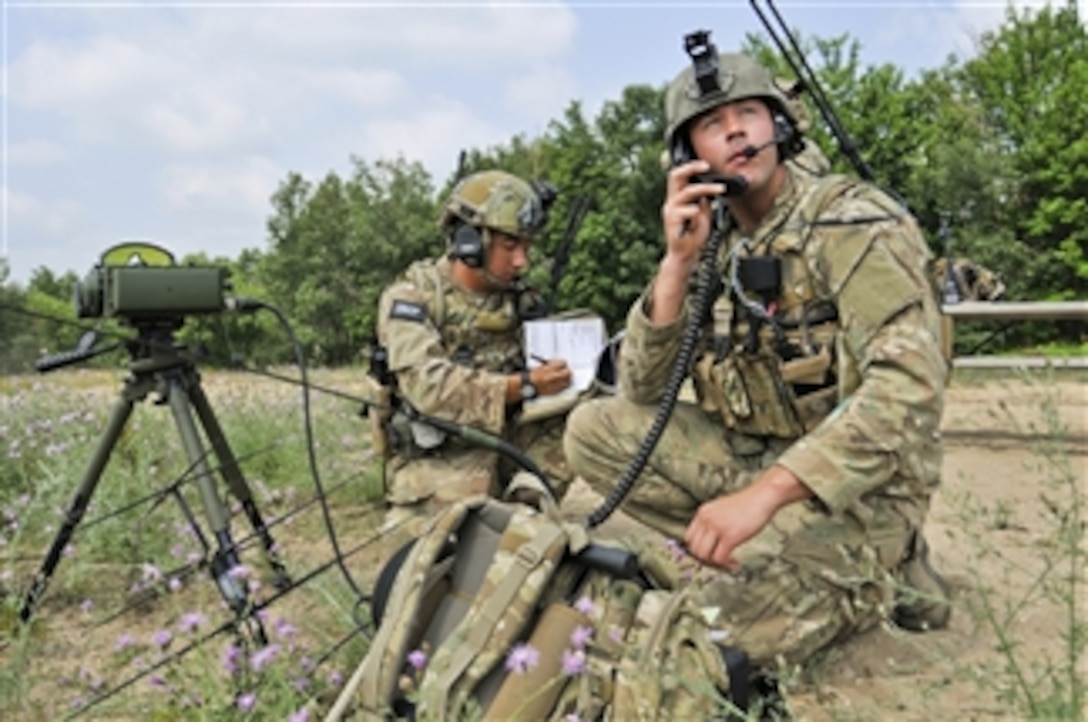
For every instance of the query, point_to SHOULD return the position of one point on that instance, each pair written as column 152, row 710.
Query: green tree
column 1029, row 79
column 19, row 347
column 334, row 246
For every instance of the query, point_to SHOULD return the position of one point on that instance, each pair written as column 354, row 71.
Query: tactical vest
column 480, row 330
column 774, row 364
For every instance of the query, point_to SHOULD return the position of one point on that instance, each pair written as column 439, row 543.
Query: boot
column 923, row 601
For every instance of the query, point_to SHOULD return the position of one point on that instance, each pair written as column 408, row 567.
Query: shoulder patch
column 408, row 311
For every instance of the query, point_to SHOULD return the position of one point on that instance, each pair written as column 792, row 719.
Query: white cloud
column 242, row 185
column 35, row 152
column 27, row 213
column 542, row 93
column 210, row 79
column 432, row 135
column 434, row 35
column 365, row 88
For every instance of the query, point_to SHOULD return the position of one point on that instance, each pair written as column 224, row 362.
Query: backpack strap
column 378, row 673
column 529, row 557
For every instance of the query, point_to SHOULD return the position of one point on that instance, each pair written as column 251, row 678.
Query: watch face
column 528, row 391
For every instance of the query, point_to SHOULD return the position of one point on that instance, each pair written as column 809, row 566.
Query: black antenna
column 462, row 157
column 807, row 81
column 575, row 216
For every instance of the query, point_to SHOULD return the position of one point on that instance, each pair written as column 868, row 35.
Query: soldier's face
column 508, row 257
column 721, row 136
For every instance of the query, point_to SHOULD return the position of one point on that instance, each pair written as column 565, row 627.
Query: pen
column 538, row 359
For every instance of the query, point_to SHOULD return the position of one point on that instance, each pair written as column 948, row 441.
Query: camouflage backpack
column 502, row 611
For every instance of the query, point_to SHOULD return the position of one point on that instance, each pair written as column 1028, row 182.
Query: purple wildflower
column 522, row 658
column 285, row 629
column 263, row 657
column 586, row 606
column 189, row 622
column 161, row 637
column 580, row 636
column 124, row 642
column 574, row 662
column 676, row 548
column 240, row 571
column 246, row 700
column 232, row 655
column 300, row 716
column 417, row 658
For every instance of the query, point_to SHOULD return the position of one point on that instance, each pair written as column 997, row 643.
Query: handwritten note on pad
column 578, row 340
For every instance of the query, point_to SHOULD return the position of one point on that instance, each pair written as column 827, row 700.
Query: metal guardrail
column 1018, row 311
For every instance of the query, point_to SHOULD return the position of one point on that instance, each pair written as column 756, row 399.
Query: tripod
column 158, row 364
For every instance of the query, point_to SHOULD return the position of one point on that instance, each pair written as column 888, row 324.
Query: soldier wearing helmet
column 802, row 473
column 451, row 331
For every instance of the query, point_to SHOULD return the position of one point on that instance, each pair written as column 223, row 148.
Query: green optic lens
column 137, row 254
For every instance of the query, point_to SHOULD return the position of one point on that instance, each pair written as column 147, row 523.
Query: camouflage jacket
column 844, row 370
column 450, row 349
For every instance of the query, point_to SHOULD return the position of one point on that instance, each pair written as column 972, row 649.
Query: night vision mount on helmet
column 493, row 201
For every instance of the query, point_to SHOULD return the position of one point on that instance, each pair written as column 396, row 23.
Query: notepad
column 578, row 340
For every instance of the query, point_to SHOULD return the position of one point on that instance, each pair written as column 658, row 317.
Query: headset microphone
column 783, row 134
column 752, row 151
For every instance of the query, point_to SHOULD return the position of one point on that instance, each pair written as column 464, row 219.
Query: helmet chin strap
column 495, row 281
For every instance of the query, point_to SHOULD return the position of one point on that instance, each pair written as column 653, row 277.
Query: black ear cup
column 467, row 245
column 790, row 142
column 681, row 151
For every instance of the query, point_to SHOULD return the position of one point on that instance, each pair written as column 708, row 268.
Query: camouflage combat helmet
column 499, row 201
column 739, row 77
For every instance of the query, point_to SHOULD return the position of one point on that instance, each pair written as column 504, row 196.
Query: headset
column 467, row 244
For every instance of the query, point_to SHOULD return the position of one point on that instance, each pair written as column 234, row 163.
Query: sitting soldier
column 451, row 330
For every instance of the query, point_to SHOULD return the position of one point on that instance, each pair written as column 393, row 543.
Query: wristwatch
column 528, row 390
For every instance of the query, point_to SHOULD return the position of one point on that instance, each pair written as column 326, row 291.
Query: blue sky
column 175, row 122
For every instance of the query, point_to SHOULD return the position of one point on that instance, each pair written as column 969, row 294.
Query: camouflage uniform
column 844, row 388
column 968, row 281
column 451, row 362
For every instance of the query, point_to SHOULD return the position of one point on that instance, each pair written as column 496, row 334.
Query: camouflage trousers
column 419, row 486
column 809, row 579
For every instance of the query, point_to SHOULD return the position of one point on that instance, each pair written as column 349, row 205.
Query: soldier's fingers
column 679, row 176
column 723, row 556
column 699, row 541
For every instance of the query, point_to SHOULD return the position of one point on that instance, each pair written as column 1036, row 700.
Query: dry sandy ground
column 993, row 531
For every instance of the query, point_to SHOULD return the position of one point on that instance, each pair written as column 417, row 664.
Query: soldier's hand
column 551, row 377
column 686, row 214
column 723, row 524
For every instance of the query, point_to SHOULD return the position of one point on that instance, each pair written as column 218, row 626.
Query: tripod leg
column 225, row 560
column 236, row 482
column 121, row 411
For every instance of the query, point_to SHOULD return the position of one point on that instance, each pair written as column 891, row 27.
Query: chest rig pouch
column 771, row 367
column 481, row 333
